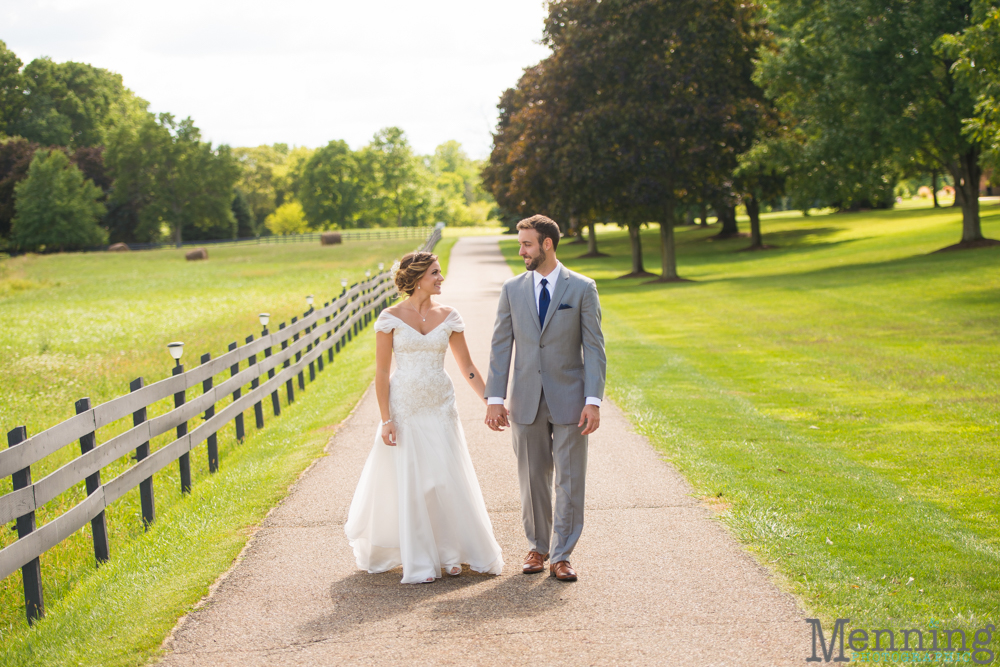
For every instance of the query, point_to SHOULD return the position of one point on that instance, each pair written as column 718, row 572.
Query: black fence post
column 275, row 401
column 329, row 334
column 98, row 525
column 31, row 573
column 289, row 389
column 213, row 440
column 258, row 407
column 309, row 347
column 298, row 358
column 142, row 451
column 184, row 462
column 233, row 370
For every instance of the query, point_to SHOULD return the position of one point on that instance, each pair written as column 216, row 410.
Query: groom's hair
column 547, row 228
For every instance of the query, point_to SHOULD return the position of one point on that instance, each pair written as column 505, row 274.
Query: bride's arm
column 383, row 363
column 472, row 375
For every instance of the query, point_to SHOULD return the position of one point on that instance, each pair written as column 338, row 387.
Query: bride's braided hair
column 412, row 268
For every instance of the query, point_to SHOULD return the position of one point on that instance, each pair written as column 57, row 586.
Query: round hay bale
column 119, row 247
column 330, row 238
column 196, row 254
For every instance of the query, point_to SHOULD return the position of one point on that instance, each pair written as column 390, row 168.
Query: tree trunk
column 704, row 215
column 727, row 215
column 934, row 179
column 574, row 230
column 753, row 210
column 966, row 173
column 638, row 270
column 591, row 238
column 668, row 248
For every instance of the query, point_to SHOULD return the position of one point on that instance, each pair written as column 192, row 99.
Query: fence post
column 329, row 334
column 213, row 440
column 31, row 573
column 142, row 451
column 289, row 389
column 184, row 462
column 275, row 401
column 98, row 525
column 298, row 358
column 233, row 370
column 309, row 347
column 258, row 407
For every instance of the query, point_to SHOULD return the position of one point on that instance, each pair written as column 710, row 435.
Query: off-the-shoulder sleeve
column 386, row 322
column 455, row 322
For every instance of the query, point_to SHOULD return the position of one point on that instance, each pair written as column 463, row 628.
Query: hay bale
column 330, row 238
column 119, row 247
column 196, row 254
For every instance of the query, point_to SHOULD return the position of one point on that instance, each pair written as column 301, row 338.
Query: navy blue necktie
column 543, row 303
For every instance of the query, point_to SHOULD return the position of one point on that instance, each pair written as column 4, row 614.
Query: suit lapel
column 529, row 294
column 557, row 294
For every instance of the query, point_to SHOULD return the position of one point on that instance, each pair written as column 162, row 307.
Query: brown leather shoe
column 562, row 571
column 534, row 562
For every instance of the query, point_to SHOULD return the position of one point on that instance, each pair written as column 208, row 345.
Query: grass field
column 85, row 325
column 835, row 400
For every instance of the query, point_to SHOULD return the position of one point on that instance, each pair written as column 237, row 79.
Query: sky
column 297, row 71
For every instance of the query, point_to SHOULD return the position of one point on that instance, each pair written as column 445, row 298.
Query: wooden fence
column 372, row 234
column 276, row 358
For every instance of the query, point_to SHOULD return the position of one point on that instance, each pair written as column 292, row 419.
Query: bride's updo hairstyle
column 412, row 268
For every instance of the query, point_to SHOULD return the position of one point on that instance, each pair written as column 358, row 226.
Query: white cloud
column 299, row 72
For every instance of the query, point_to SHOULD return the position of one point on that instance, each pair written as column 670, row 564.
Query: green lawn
column 835, row 399
column 80, row 325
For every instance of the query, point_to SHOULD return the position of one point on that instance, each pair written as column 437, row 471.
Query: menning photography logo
column 914, row 645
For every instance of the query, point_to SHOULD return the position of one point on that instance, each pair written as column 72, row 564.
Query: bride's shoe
column 454, row 571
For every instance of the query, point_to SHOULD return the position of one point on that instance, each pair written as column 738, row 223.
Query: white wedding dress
column 419, row 504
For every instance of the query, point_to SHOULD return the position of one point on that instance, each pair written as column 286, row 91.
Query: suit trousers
column 544, row 448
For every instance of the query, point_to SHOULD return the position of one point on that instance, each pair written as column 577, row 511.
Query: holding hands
column 496, row 417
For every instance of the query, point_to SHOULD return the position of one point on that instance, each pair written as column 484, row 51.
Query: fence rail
column 373, row 234
column 276, row 358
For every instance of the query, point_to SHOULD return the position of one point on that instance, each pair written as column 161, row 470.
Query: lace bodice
column 419, row 383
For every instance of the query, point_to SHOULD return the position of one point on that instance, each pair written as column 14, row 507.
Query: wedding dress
column 419, row 504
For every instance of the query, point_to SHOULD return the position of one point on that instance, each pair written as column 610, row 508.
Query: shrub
column 289, row 218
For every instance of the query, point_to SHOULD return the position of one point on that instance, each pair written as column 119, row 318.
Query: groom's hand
column 496, row 417
column 591, row 416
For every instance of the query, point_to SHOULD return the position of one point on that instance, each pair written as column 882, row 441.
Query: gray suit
column 556, row 366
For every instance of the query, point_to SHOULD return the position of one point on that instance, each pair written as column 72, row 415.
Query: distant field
column 836, row 400
column 77, row 325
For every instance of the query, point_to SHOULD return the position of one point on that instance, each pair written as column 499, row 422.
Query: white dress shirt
column 552, row 279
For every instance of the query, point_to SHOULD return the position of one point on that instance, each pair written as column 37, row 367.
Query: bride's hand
column 389, row 434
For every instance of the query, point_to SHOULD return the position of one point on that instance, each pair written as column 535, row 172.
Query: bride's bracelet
column 387, row 421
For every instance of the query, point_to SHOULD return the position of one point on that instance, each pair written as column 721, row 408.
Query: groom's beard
column 536, row 261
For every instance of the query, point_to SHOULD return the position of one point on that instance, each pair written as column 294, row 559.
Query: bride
column 418, row 503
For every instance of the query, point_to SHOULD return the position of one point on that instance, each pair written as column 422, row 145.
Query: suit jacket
column 564, row 358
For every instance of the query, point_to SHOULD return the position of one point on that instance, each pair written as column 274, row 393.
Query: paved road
column 661, row 582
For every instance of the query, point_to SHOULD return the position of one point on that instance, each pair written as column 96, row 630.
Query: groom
column 554, row 315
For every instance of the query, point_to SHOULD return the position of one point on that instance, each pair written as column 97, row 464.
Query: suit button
column 539, row 372
column 541, row 347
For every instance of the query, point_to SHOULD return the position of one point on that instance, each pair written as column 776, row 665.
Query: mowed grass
column 835, row 399
column 80, row 325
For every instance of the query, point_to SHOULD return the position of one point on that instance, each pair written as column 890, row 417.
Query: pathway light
column 176, row 350
column 264, row 319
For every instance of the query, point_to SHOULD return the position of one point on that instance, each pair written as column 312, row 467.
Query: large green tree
column 57, row 209
column 12, row 98
column 872, row 87
column 394, row 192
column 72, row 104
column 173, row 179
column 330, row 189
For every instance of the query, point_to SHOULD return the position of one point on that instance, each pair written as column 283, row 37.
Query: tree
column 260, row 168
column 666, row 92
column 393, row 191
column 11, row 89
column 245, row 224
column 15, row 159
column 174, row 179
column 330, row 189
column 57, row 209
column 873, row 84
column 72, row 104
column 289, row 218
